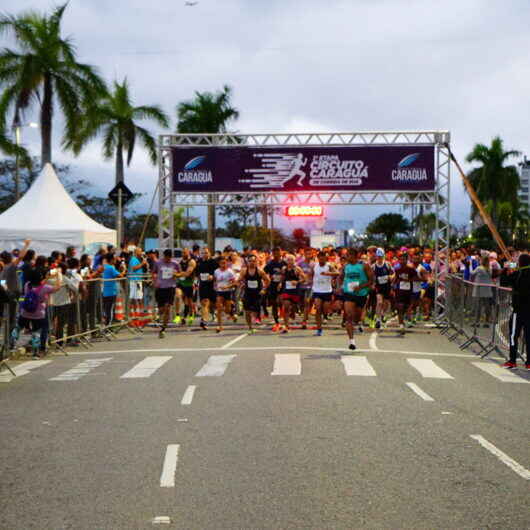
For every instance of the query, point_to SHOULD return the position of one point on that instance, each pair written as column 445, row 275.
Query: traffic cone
column 119, row 313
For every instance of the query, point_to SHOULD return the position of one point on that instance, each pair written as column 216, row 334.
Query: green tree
column 259, row 237
column 388, row 225
column 425, row 226
column 115, row 117
column 10, row 148
column 493, row 181
column 300, row 238
column 207, row 112
column 44, row 71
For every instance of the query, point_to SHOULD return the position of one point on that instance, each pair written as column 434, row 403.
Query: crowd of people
column 362, row 287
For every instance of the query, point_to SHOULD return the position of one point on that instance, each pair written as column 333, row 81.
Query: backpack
column 30, row 304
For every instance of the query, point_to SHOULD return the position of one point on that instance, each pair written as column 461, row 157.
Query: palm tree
column 44, row 71
column 207, row 113
column 492, row 180
column 115, row 117
column 10, row 148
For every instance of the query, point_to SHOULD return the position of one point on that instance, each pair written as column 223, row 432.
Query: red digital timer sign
column 304, row 211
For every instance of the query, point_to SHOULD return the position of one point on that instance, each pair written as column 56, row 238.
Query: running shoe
column 402, row 329
column 285, row 330
column 377, row 324
column 527, row 366
column 251, row 332
column 509, row 365
column 352, row 345
column 234, row 318
column 276, row 327
column 409, row 323
column 203, row 325
column 304, row 325
column 258, row 320
column 218, row 330
column 361, row 329
column 190, row 320
column 177, row 319
column 318, row 333
column 161, row 334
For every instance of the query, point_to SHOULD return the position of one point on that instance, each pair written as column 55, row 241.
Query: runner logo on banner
column 303, row 168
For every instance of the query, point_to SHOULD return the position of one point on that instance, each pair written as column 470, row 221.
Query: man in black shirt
column 205, row 268
column 274, row 270
column 520, row 319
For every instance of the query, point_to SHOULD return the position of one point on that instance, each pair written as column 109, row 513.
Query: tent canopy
column 48, row 216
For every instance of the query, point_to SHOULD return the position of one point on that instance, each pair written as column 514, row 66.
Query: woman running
column 254, row 283
column 292, row 275
column 322, row 274
column 225, row 281
column 383, row 274
column 356, row 281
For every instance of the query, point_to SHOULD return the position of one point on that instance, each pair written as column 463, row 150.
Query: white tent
column 48, row 216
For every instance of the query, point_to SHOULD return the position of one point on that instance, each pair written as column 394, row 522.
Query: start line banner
column 303, row 168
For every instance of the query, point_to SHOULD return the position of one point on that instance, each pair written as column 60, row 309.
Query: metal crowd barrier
column 479, row 314
column 89, row 316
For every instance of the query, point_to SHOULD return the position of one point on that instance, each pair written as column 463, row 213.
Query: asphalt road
column 83, row 447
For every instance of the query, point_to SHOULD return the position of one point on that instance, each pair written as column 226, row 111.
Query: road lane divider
column 169, row 469
column 417, row 390
column 215, row 366
column 506, row 376
column 232, row 342
column 357, row 366
column 146, row 368
column 287, row 364
column 503, row 457
column 80, row 370
column 429, row 369
column 188, row 395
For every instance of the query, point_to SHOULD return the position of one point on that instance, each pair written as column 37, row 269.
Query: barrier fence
column 479, row 314
column 80, row 314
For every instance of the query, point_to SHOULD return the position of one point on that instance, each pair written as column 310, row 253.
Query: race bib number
column 167, row 273
column 404, row 286
column 204, row 276
column 382, row 280
column 277, row 278
column 416, row 287
column 352, row 286
column 252, row 284
column 290, row 285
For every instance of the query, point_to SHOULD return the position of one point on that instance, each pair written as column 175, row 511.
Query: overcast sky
column 313, row 66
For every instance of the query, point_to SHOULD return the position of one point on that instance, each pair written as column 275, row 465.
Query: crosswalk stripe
column 146, row 367
column 428, row 368
column 287, row 364
column 357, row 366
column 20, row 369
column 417, row 390
column 80, row 370
column 506, row 376
column 215, row 366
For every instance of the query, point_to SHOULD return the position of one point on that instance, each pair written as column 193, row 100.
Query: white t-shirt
column 322, row 284
column 223, row 279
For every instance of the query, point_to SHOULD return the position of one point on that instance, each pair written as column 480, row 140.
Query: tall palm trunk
column 46, row 121
column 119, row 178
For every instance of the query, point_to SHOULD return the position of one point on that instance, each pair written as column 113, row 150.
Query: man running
column 205, row 270
column 187, row 265
column 165, row 274
column 304, row 289
column 383, row 274
column 356, row 281
column 404, row 276
column 322, row 274
column 292, row 276
column 274, row 271
column 224, row 282
column 254, row 281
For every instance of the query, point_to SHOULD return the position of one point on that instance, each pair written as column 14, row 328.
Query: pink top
column 44, row 292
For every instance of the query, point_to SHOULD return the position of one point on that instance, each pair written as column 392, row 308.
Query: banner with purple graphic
column 303, row 168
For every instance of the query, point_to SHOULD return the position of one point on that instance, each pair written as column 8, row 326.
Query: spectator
column 520, row 318
column 482, row 291
column 63, row 314
column 110, row 287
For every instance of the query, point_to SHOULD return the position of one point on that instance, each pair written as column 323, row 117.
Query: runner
column 425, row 271
column 292, row 276
column 356, row 280
column 224, row 282
column 322, row 274
column 274, row 271
column 187, row 265
column 306, row 263
column 165, row 274
column 383, row 274
column 254, row 281
column 404, row 276
column 416, row 290
column 205, row 270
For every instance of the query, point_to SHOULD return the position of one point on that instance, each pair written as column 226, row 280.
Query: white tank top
column 321, row 284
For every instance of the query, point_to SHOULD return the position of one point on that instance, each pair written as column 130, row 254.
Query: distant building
column 524, row 178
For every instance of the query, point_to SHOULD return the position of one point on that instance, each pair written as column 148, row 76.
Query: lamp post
column 17, row 126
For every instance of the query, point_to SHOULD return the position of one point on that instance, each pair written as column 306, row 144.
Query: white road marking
column 503, row 457
column 357, row 366
column 80, row 370
column 372, row 342
column 161, row 519
column 263, row 348
column 167, row 478
column 287, row 364
column 417, row 390
column 502, row 374
column 215, row 366
column 20, row 370
column 188, row 395
column 145, row 368
column 232, row 342
column 428, row 368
